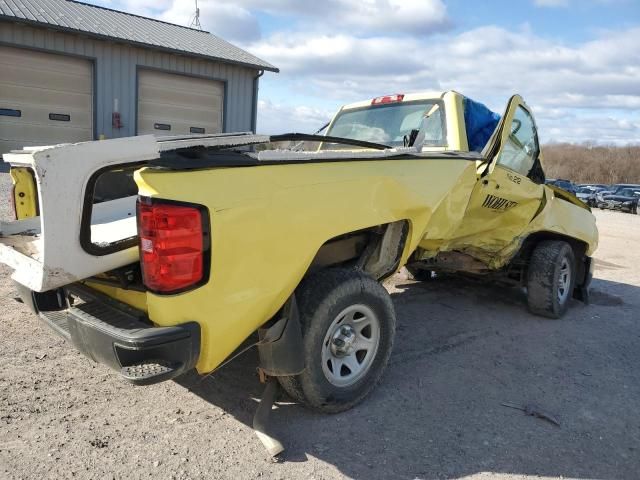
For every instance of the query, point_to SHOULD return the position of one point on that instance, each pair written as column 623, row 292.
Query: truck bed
column 89, row 239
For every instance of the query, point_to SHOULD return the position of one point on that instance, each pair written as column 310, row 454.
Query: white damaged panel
column 45, row 251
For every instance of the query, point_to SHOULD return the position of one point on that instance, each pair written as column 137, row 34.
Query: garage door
column 170, row 104
column 44, row 99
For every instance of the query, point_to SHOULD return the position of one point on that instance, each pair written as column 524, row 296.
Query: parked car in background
column 567, row 185
column 624, row 197
column 587, row 193
column 600, row 203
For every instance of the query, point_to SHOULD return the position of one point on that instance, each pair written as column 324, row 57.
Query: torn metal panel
column 219, row 140
column 45, row 252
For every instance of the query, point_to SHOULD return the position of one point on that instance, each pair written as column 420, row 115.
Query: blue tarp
column 480, row 122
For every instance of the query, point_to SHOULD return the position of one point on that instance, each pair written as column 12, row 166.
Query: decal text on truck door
column 498, row 203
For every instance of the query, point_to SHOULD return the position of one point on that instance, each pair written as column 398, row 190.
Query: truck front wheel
column 348, row 327
column 551, row 278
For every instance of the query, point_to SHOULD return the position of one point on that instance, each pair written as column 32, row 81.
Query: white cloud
column 235, row 20
column 487, row 63
column 281, row 118
column 603, row 129
column 418, row 17
column 228, row 20
column 338, row 54
column 485, row 60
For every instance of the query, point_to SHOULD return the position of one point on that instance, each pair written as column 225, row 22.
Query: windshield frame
column 426, row 101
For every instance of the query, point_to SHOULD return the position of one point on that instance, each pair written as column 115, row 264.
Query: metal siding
column 115, row 75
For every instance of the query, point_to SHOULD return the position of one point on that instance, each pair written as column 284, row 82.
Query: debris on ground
column 534, row 411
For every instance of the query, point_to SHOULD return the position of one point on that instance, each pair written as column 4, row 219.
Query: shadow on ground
column 462, row 349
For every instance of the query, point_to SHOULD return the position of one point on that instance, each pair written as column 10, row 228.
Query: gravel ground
column 462, row 349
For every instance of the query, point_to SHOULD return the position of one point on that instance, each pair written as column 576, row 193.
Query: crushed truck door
column 505, row 198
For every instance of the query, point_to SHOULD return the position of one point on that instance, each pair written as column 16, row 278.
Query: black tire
column 545, row 295
column 321, row 298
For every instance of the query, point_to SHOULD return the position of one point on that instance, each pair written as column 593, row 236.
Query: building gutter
column 254, row 106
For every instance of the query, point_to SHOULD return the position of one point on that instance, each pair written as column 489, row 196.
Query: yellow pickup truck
column 158, row 255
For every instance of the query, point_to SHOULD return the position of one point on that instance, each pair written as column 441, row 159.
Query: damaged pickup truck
column 158, row 255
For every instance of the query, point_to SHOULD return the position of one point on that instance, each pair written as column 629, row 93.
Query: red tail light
column 174, row 241
column 388, row 99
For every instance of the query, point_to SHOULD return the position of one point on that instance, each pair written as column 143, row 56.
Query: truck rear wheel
column 348, row 327
column 551, row 278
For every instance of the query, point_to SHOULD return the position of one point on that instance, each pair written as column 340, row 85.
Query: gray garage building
column 72, row 72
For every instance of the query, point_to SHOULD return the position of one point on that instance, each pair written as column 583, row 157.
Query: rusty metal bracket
column 261, row 417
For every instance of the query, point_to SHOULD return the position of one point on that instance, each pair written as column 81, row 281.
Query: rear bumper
column 122, row 337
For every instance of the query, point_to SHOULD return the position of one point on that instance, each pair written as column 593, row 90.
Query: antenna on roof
column 195, row 21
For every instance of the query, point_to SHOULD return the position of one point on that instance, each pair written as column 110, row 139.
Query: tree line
column 592, row 163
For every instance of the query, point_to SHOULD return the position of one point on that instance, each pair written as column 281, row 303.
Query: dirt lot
column 462, row 349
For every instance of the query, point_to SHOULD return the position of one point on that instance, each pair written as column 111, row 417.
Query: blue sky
column 576, row 62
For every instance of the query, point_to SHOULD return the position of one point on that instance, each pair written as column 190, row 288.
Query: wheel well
column 579, row 247
column 376, row 250
column 521, row 261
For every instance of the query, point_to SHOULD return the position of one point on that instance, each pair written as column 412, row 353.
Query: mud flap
column 581, row 290
column 280, row 347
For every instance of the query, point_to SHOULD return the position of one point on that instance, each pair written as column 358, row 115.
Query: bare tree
column 589, row 163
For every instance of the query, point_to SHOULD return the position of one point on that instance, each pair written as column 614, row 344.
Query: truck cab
column 445, row 121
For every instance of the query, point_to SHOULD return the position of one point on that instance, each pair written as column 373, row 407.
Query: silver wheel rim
column 564, row 281
column 350, row 345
